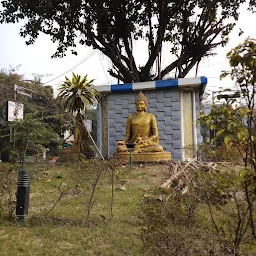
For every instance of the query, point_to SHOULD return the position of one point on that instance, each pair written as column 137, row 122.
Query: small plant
column 8, row 174
column 170, row 227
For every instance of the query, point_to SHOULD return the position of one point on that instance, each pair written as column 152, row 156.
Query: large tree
column 193, row 28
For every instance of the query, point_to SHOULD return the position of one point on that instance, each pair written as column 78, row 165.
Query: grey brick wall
column 164, row 104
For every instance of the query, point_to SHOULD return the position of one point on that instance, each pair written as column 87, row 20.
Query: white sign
column 14, row 110
column 88, row 125
column 23, row 91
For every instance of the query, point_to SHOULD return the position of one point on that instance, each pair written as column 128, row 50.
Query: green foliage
column 193, row 28
column 236, row 127
column 28, row 130
column 243, row 65
column 77, row 94
column 229, row 126
column 31, row 129
column 42, row 104
column 210, row 219
column 47, row 110
column 78, row 97
column 248, row 178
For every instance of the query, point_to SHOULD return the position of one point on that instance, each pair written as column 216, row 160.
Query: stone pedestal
column 144, row 156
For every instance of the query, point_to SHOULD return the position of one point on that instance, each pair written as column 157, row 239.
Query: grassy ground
column 63, row 229
column 58, row 222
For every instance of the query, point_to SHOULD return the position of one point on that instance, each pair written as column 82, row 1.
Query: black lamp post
column 130, row 147
column 22, row 193
column 23, row 189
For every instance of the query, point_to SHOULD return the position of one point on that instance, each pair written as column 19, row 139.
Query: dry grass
column 65, row 230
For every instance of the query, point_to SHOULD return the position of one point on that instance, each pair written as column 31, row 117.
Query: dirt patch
column 147, row 175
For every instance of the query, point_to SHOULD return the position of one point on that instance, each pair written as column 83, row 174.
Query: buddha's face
column 141, row 106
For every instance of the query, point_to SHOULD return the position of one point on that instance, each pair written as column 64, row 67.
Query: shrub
column 67, row 155
column 210, row 219
column 9, row 154
column 8, row 174
column 171, row 227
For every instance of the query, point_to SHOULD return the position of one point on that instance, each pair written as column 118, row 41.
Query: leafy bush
column 9, row 154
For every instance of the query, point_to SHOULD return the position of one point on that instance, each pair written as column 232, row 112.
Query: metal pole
column 15, row 92
column 130, row 162
column 94, row 143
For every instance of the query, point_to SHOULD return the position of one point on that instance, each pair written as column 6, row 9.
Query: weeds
column 8, row 174
column 211, row 219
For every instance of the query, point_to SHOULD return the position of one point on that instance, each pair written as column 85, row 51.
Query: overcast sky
column 36, row 59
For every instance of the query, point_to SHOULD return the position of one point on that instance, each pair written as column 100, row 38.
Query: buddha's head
column 141, row 102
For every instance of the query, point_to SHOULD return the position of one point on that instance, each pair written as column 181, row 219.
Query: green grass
column 63, row 228
column 66, row 230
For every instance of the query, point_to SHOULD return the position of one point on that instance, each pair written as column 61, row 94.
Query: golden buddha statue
column 141, row 130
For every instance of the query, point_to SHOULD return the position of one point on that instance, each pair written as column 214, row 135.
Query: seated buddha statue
column 141, row 130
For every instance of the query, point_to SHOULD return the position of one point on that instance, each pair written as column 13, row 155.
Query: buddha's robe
column 142, row 130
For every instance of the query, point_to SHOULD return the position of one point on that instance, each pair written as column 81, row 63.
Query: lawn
column 57, row 223
column 109, row 208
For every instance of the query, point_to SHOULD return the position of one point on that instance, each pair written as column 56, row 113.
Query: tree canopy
column 242, row 61
column 193, row 29
column 29, row 130
column 43, row 105
column 77, row 95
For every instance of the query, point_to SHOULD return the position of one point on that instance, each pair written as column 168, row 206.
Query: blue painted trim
column 153, row 84
column 167, row 83
column 121, row 87
column 203, row 80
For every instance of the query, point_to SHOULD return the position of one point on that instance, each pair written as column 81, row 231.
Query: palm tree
column 78, row 96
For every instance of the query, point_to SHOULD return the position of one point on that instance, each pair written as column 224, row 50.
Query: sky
column 36, row 58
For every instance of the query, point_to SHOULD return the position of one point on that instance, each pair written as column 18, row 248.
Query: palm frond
column 77, row 94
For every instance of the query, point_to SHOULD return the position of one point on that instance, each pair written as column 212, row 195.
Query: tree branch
column 118, row 76
column 172, row 66
column 150, row 36
column 117, row 61
column 163, row 21
column 130, row 62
